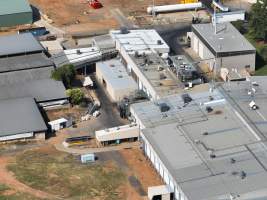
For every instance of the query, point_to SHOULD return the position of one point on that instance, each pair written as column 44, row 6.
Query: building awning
column 87, row 81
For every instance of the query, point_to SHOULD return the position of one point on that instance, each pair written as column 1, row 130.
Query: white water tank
column 172, row 8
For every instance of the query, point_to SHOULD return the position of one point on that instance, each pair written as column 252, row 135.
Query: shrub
column 65, row 73
column 76, row 96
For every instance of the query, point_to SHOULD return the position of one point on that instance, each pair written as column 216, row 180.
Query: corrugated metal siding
column 16, row 19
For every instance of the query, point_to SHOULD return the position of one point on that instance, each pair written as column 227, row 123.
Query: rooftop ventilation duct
column 186, row 98
column 124, row 30
column 164, row 107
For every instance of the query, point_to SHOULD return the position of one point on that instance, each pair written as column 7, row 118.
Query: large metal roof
column 187, row 135
column 19, row 44
column 19, row 116
column 42, row 90
column 23, row 62
column 14, row 6
column 22, row 76
column 227, row 38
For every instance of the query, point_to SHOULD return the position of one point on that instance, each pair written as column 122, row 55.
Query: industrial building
column 21, row 119
column 142, row 53
column 25, row 71
column 115, row 79
column 222, row 46
column 209, row 145
column 15, row 12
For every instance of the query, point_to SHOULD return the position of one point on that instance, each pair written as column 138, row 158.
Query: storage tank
column 172, row 8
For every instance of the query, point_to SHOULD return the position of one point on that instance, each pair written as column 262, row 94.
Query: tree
column 65, row 73
column 76, row 95
column 258, row 20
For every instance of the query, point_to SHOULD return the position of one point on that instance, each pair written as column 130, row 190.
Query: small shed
column 60, row 124
column 87, row 158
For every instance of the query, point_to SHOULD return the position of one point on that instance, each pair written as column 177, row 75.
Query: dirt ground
column 78, row 16
column 141, row 167
column 135, row 162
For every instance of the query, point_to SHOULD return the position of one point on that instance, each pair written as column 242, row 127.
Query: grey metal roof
column 14, row 6
column 20, row 116
column 19, row 44
column 177, row 136
column 226, row 39
column 42, row 90
column 18, row 77
column 23, row 62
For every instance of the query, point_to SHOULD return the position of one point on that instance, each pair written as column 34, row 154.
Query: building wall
column 239, row 62
column 161, row 169
column 22, row 137
column 16, row 19
column 39, row 136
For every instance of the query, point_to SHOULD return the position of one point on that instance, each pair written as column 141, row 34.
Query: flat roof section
column 186, row 146
column 115, row 73
column 20, row 116
column 42, row 90
column 19, row 44
column 226, row 40
column 140, row 40
column 14, row 6
column 157, row 73
column 242, row 93
column 22, row 62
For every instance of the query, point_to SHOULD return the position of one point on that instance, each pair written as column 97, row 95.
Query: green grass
column 62, row 175
column 3, row 188
column 16, row 196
